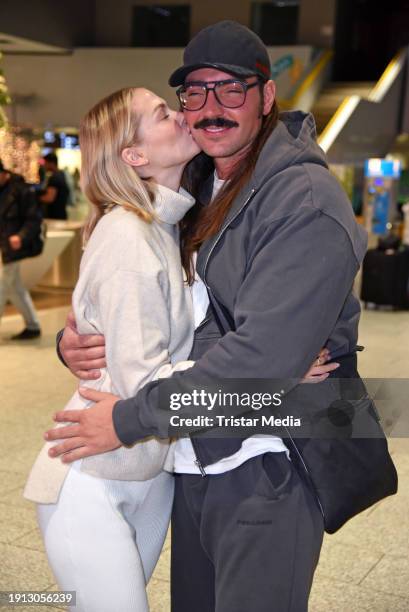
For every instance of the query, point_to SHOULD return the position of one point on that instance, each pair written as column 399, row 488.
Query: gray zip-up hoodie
column 283, row 265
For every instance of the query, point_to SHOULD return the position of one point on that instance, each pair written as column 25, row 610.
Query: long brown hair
column 203, row 222
column 108, row 128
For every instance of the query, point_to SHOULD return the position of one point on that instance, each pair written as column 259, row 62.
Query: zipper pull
column 201, row 468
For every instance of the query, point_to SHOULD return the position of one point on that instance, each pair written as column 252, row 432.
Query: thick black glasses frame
column 205, row 84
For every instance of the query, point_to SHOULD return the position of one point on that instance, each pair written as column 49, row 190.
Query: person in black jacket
column 56, row 195
column 20, row 237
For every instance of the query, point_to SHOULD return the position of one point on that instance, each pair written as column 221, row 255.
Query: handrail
column 337, row 121
column 311, row 76
column 388, row 76
column 349, row 103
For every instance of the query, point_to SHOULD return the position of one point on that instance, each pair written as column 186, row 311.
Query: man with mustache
column 279, row 248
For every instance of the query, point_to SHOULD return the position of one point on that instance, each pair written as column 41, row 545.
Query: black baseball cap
column 227, row 46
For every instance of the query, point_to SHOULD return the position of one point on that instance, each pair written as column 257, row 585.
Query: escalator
column 369, row 118
column 332, row 96
column 355, row 120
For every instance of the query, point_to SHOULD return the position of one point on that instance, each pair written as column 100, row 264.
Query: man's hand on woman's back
column 84, row 355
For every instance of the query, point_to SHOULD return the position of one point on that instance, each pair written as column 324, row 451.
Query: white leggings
column 103, row 538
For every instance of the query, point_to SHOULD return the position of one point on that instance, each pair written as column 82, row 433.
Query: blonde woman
column 104, row 519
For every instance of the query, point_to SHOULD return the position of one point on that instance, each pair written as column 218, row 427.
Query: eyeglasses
column 230, row 93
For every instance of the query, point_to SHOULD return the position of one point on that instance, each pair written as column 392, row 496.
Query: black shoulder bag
column 347, row 475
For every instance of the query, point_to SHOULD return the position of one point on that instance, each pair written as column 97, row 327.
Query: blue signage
column 385, row 168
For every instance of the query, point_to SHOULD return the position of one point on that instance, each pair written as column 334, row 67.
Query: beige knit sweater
column 131, row 290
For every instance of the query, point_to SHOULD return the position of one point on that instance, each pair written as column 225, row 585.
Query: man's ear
column 134, row 158
column 269, row 96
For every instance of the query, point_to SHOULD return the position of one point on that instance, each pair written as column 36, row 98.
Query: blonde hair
column 108, row 128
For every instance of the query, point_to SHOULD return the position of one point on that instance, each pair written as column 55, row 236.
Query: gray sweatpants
column 247, row 540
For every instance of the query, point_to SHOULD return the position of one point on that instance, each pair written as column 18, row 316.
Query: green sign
column 282, row 64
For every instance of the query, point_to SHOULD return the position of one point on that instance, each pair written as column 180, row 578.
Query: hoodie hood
column 292, row 142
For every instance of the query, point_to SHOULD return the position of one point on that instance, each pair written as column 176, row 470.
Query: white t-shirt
column 184, row 460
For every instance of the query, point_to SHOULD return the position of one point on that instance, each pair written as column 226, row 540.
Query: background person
column 20, row 237
column 56, row 195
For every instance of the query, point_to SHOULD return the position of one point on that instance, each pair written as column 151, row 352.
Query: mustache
column 215, row 122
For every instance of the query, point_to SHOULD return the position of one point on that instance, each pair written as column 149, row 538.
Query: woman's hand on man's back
column 320, row 369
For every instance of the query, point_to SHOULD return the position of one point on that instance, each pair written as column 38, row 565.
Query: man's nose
column 212, row 104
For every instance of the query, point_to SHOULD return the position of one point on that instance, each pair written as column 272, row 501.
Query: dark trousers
column 245, row 541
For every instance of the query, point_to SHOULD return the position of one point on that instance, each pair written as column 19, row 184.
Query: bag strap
column 223, row 318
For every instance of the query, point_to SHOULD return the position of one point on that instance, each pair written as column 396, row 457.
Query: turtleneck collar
column 171, row 206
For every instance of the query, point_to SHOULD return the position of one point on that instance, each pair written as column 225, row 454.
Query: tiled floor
column 364, row 567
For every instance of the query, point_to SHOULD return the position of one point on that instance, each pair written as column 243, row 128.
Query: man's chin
column 218, row 152
column 217, row 149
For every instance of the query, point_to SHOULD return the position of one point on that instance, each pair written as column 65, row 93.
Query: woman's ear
column 134, row 158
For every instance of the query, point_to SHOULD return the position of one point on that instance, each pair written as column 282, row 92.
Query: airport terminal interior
column 347, row 63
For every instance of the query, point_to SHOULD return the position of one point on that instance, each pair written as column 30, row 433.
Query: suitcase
column 385, row 278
